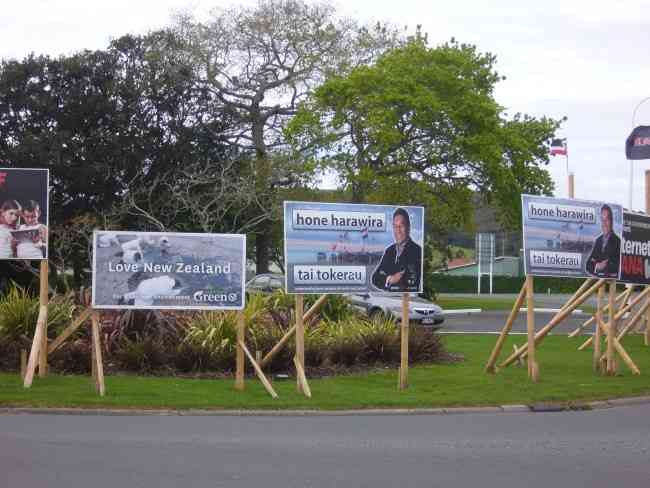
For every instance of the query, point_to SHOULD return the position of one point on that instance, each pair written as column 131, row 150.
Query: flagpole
column 568, row 173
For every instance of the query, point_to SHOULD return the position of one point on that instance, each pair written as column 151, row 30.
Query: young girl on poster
column 9, row 212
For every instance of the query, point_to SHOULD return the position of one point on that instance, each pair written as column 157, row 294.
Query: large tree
column 259, row 63
column 421, row 125
column 119, row 129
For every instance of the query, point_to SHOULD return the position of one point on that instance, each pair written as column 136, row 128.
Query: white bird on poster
column 107, row 239
column 153, row 288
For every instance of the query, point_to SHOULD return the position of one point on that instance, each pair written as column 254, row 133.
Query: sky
column 585, row 60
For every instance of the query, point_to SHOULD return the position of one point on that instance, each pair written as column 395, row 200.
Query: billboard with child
column 23, row 213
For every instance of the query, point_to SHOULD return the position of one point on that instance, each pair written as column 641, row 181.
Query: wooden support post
column 258, row 371
column 43, row 301
column 490, row 366
column 520, row 360
column 599, row 324
column 302, row 378
column 241, row 338
column 619, row 314
column 557, row 319
column 97, row 360
column 622, row 352
column 37, row 343
column 23, row 363
column 299, row 357
column 69, row 330
column 632, row 321
column 97, row 347
column 93, row 360
column 646, row 336
column 404, row 333
column 282, row 342
column 622, row 296
column 584, row 287
column 533, row 368
column 611, row 329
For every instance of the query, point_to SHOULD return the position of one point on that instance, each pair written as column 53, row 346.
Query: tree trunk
column 263, row 173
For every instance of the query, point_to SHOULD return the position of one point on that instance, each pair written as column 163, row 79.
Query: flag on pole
column 558, row 147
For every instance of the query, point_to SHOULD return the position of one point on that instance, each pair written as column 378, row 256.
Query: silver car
column 420, row 310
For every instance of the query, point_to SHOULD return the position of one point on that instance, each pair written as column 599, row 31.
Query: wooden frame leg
column 623, row 296
column 622, row 352
column 404, row 353
column 599, row 324
column 37, row 344
column 533, row 368
column 646, row 336
column 285, row 338
column 299, row 358
column 241, row 334
column 43, row 301
column 258, row 371
column 490, row 366
column 97, row 349
column 557, row 319
column 611, row 329
column 618, row 314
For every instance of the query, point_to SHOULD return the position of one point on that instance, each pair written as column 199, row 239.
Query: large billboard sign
column 155, row 270
column 571, row 238
column 23, row 213
column 635, row 251
column 353, row 248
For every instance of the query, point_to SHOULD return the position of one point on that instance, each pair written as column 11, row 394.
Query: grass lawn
column 565, row 376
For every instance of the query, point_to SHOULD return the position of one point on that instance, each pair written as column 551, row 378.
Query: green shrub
column 342, row 341
column 215, row 332
column 425, row 346
column 73, row 357
column 147, row 355
column 19, row 313
column 380, row 340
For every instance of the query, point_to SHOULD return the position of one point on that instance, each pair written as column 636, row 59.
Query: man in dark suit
column 400, row 266
column 604, row 259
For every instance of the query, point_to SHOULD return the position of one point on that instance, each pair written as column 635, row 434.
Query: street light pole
column 632, row 161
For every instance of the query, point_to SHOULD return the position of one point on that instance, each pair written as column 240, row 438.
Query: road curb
column 544, row 407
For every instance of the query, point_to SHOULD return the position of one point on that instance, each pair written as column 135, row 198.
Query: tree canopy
column 421, row 124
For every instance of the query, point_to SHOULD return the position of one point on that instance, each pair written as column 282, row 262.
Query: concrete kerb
column 539, row 408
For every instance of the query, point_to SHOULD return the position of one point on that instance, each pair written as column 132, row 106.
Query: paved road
column 495, row 320
column 603, row 448
column 541, row 299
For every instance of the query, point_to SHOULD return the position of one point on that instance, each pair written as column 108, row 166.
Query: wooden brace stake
column 490, row 366
column 622, row 296
column 258, row 371
column 618, row 315
column 557, row 319
column 302, row 378
column 287, row 336
column 69, row 330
